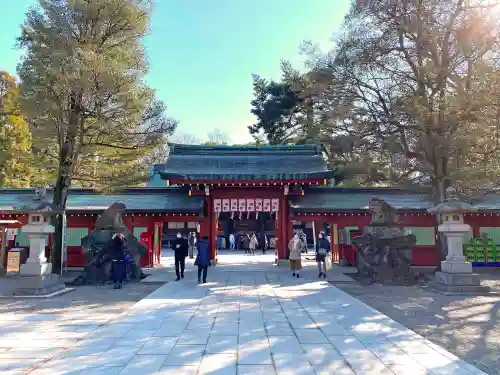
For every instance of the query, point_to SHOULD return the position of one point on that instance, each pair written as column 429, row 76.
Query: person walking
column 303, row 239
column 117, row 252
column 245, row 243
column 295, row 248
column 265, row 244
column 322, row 250
column 253, row 243
column 202, row 259
column 192, row 244
column 180, row 247
column 232, row 242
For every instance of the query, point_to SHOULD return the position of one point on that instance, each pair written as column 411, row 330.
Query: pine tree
column 83, row 87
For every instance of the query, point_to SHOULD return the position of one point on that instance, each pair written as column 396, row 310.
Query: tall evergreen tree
column 83, row 87
column 286, row 110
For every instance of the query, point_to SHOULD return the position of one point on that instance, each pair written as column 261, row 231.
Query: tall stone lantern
column 35, row 276
column 456, row 274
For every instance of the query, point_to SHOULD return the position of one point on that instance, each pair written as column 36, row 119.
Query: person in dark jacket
column 202, row 259
column 180, row 246
column 322, row 250
column 117, row 253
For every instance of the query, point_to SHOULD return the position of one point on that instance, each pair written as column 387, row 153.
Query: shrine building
column 218, row 190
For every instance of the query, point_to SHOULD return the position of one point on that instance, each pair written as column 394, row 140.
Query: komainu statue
column 95, row 246
column 384, row 249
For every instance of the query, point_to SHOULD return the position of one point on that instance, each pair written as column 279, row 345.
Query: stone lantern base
column 458, row 283
column 32, row 286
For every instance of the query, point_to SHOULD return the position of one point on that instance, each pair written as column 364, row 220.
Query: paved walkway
column 242, row 322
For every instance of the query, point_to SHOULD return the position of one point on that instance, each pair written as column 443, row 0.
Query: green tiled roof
column 342, row 199
column 490, row 202
column 244, row 163
column 136, row 200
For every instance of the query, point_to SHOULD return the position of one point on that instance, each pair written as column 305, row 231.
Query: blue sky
column 203, row 52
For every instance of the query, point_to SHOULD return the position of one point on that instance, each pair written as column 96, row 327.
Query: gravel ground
column 468, row 326
column 95, row 299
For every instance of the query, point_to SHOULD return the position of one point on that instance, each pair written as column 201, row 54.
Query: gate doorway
column 242, row 225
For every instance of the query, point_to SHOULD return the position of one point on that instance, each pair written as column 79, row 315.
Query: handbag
column 322, row 251
column 328, row 263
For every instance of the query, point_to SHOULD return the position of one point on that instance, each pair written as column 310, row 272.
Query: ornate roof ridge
column 308, row 149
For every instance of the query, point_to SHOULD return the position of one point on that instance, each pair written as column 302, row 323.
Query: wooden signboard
column 14, row 261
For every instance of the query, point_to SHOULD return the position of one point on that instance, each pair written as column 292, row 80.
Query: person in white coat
column 232, row 242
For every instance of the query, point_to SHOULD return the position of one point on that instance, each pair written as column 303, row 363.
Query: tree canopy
column 285, row 110
column 407, row 96
column 83, row 88
column 15, row 137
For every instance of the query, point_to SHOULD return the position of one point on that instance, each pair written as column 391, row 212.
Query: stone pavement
column 468, row 326
column 246, row 320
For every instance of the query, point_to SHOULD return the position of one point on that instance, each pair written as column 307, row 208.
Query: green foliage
column 409, row 95
column 274, row 105
column 15, row 137
column 288, row 111
column 83, row 87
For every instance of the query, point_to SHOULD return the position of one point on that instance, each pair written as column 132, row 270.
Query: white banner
column 246, row 205
column 267, row 205
column 226, row 205
column 258, row 204
column 275, row 203
column 217, row 205
column 242, row 205
column 250, row 204
column 234, row 205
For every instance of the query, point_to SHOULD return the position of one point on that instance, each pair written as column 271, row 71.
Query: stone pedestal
column 37, row 265
column 32, row 286
column 456, row 266
column 459, row 283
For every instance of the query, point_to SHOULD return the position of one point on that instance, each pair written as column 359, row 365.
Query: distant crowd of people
column 248, row 242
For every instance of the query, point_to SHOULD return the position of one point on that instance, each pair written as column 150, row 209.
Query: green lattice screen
column 138, row 230
column 493, row 233
column 347, row 231
column 74, row 236
column 426, row 236
column 22, row 238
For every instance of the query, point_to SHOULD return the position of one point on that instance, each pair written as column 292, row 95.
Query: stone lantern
column 38, row 229
column 35, row 276
column 456, row 273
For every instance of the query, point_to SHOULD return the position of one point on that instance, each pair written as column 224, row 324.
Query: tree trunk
column 442, row 244
column 67, row 159
column 60, row 197
column 311, row 136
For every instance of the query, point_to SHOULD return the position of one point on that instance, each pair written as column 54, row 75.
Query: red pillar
column 212, row 232
column 284, row 224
